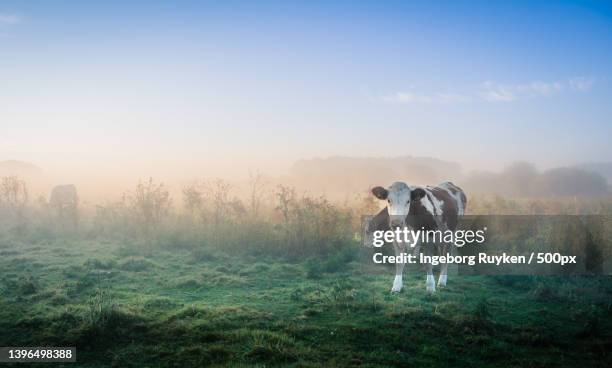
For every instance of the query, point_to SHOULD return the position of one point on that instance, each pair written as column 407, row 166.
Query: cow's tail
column 464, row 202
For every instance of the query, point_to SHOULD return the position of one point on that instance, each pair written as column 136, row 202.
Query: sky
column 227, row 87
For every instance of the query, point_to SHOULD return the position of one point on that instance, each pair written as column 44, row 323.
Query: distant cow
column 65, row 201
column 428, row 208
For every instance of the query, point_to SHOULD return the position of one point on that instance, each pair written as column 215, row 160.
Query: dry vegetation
column 277, row 219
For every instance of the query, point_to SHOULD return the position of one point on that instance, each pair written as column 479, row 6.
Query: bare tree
column 193, row 199
column 257, row 185
column 285, row 196
column 149, row 203
column 217, row 193
column 14, row 194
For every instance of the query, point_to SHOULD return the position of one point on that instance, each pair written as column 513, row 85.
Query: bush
column 101, row 309
column 136, row 264
column 98, row 264
column 27, row 286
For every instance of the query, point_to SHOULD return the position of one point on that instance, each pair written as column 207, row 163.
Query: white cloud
column 499, row 92
column 495, row 92
column 9, row 19
column 405, row 97
column 412, row 98
column 449, row 97
column 582, row 84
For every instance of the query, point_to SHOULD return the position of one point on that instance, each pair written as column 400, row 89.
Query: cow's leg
column 444, row 250
column 443, row 275
column 399, row 268
column 430, row 283
column 417, row 249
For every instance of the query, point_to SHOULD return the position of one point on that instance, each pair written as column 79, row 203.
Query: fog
column 337, row 177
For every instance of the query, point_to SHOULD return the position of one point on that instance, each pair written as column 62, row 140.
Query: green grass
column 176, row 307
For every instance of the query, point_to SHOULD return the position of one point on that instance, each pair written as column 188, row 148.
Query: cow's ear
column 380, row 192
column 417, row 194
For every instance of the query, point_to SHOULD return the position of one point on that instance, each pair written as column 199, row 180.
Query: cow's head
column 398, row 196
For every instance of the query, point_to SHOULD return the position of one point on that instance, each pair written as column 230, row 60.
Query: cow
column 65, row 201
column 419, row 208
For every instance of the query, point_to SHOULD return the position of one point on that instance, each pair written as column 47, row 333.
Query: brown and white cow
column 427, row 208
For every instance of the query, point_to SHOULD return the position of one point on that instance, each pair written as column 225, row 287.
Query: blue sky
column 260, row 84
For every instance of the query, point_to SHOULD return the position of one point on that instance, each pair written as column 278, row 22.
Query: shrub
column 98, row 264
column 136, row 264
column 149, row 205
column 100, row 309
column 27, row 286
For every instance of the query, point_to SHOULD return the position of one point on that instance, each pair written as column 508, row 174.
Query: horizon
column 339, row 178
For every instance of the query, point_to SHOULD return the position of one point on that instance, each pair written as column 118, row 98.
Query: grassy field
column 179, row 307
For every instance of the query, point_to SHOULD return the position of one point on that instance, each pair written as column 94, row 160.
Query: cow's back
column 440, row 208
column 64, row 194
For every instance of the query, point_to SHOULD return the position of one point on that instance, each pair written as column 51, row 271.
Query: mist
column 337, row 177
